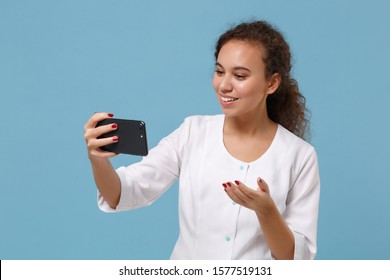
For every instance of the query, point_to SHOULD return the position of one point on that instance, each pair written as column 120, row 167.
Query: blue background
column 60, row 61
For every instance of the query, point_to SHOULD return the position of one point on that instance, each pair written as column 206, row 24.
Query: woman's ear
column 273, row 83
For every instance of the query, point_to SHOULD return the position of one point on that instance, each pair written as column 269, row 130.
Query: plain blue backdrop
column 60, row 61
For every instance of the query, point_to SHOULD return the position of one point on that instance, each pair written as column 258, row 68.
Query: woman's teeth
column 228, row 99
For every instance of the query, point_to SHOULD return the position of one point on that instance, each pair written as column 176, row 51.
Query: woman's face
column 239, row 80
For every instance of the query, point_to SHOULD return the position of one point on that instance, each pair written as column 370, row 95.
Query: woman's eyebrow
column 234, row 68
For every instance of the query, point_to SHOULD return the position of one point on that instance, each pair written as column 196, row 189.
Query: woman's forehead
column 241, row 53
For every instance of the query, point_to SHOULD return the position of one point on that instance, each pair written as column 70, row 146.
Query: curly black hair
column 287, row 106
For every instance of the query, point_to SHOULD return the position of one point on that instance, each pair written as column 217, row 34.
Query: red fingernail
column 114, row 125
column 224, row 185
column 110, row 115
column 229, row 184
column 115, row 138
column 237, row 183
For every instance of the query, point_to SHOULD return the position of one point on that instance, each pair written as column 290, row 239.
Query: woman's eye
column 219, row 72
column 240, row 77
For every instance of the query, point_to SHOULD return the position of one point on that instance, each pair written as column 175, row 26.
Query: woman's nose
column 225, row 85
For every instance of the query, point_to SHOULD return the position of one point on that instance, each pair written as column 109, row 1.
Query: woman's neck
column 249, row 124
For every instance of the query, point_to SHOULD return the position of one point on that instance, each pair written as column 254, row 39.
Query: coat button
column 227, row 238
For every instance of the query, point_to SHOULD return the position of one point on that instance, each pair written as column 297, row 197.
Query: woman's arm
column 277, row 234
column 106, row 178
column 107, row 181
column 299, row 219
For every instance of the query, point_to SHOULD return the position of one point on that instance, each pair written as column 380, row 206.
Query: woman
column 249, row 184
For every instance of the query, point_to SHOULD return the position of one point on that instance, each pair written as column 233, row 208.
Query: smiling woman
column 239, row 79
column 263, row 48
column 249, row 183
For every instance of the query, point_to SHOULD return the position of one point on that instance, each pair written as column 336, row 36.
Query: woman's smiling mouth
column 228, row 99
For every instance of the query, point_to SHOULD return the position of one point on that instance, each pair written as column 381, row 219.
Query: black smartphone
column 132, row 137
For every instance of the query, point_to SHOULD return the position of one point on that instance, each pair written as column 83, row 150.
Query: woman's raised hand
column 91, row 133
column 258, row 200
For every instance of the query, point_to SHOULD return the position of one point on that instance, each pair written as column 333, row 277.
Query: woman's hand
column 277, row 234
column 91, row 133
column 258, row 200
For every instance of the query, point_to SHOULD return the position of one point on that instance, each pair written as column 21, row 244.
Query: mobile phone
column 132, row 137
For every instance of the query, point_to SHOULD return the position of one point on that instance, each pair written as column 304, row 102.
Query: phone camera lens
column 141, row 129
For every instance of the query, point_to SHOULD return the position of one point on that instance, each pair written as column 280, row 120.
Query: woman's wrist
column 96, row 159
column 267, row 211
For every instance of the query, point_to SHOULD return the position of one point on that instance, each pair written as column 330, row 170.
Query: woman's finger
column 262, row 185
column 100, row 130
column 97, row 117
column 97, row 143
column 233, row 196
column 102, row 154
column 246, row 190
column 237, row 192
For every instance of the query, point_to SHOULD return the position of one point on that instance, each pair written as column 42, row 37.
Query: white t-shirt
column 212, row 226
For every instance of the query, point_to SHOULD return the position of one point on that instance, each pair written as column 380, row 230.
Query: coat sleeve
column 143, row 182
column 302, row 206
